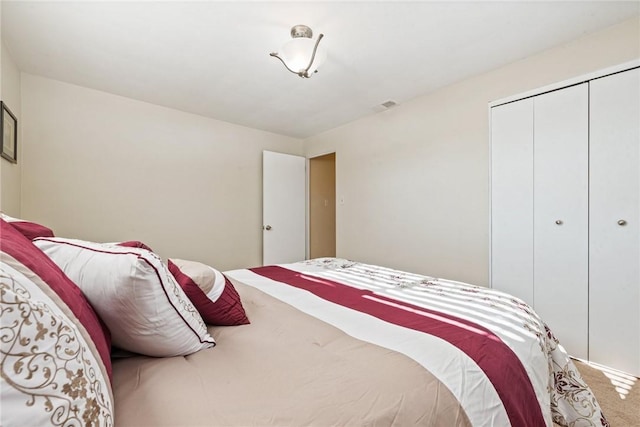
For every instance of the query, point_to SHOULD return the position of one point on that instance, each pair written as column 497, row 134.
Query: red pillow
column 135, row 244
column 29, row 229
column 24, row 254
column 210, row 292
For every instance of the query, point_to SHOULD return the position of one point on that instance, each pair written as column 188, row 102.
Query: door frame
column 307, row 207
column 310, row 197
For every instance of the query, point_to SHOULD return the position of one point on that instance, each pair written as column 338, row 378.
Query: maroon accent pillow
column 28, row 229
column 217, row 306
column 16, row 245
column 135, row 244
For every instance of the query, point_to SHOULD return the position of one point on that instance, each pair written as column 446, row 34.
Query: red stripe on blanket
column 494, row 357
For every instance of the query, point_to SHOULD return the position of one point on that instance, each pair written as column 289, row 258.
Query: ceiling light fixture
column 300, row 55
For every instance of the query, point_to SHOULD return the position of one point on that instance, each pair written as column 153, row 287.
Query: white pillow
column 134, row 293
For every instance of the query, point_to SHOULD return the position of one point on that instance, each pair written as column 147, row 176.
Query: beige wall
column 10, row 173
column 415, row 179
column 1, row 48
column 103, row 167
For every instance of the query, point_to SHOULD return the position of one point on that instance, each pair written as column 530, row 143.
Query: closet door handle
column 622, row 223
column 558, row 222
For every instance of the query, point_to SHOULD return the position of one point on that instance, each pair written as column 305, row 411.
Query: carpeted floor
column 618, row 394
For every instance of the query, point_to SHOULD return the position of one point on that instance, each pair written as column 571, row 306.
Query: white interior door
column 614, row 246
column 283, row 208
column 561, row 214
column 512, row 199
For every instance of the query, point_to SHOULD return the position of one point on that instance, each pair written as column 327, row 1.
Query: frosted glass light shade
column 297, row 52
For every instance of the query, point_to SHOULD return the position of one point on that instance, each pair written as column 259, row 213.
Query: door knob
column 622, row 222
column 268, row 227
column 558, row 222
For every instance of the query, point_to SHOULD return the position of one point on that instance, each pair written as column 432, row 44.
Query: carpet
column 618, row 394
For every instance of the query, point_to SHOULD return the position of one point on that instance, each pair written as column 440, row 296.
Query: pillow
column 52, row 376
column 19, row 253
column 134, row 293
column 54, row 352
column 134, row 244
column 30, row 230
column 210, row 291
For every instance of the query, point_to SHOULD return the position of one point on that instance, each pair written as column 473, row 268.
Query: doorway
column 322, row 206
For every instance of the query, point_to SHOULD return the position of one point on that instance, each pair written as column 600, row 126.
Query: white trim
column 307, row 208
column 570, row 82
column 490, row 284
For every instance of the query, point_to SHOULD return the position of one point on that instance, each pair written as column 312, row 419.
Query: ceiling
column 212, row 58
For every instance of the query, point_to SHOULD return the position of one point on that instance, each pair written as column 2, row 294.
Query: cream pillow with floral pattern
column 51, row 374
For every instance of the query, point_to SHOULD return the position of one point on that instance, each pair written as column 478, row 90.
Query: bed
column 325, row 342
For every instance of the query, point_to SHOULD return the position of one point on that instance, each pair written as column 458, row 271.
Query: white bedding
column 498, row 329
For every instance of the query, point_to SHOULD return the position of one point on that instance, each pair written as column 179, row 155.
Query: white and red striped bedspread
column 490, row 349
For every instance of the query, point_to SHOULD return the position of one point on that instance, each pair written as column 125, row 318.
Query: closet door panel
column 512, row 199
column 561, row 214
column 614, row 252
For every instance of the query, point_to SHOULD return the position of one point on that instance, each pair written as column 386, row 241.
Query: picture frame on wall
column 9, row 135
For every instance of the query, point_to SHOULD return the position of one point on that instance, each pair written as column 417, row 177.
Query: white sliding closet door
column 512, row 199
column 561, row 210
column 614, row 314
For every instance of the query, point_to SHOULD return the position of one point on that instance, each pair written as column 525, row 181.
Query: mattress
column 335, row 342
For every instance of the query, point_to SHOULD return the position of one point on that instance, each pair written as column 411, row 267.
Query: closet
column 565, row 211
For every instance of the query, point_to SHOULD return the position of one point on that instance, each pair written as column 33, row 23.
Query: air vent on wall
column 385, row 106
